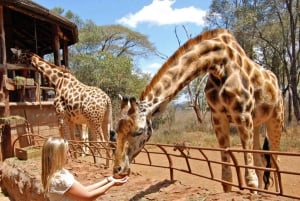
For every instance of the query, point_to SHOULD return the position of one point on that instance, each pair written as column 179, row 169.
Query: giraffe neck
column 211, row 52
column 55, row 74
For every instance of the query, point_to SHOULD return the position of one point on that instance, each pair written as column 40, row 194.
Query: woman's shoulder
column 61, row 180
column 65, row 172
column 62, row 172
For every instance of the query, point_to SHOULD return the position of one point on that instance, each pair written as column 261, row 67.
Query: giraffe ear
column 16, row 51
column 133, row 106
column 120, row 96
column 124, row 105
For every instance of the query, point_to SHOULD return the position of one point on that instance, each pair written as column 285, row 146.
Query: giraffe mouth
column 122, row 175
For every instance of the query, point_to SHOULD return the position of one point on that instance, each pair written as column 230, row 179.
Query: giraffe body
column 82, row 104
column 75, row 102
column 238, row 91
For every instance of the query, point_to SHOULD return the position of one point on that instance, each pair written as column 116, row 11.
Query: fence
column 197, row 161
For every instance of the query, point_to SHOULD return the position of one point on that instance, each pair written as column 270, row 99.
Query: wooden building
column 28, row 26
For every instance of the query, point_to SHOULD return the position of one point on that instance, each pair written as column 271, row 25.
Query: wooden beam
column 56, row 45
column 66, row 54
column 2, row 40
column 3, row 61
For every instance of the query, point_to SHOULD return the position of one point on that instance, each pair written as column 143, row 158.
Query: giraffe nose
column 120, row 172
column 117, row 169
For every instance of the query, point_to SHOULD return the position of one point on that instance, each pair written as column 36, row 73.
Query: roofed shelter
column 28, row 26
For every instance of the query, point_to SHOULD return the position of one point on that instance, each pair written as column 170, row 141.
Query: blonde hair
column 54, row 154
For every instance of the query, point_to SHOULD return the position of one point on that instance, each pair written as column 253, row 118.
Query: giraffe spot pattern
column 76, row 101
column 237, row 89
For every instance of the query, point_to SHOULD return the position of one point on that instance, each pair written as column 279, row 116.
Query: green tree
column 115, row 39
column 221, row 14
column 115, row 75
column 69, row 15
column 105, row 55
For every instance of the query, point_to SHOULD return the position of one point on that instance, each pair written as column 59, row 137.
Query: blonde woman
column 59, row 184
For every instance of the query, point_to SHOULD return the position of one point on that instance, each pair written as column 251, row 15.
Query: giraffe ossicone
column 238, row 91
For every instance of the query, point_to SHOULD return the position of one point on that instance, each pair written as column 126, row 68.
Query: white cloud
column 152, row 68
column 160, row 12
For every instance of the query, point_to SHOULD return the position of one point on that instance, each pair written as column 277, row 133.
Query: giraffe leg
column 64, row 128
column 246, row 134
column 274, row 129
column 106, row 136
column 60, row 127
column 96, row 135
column 258, row 158
column 84, row 133
column 222, row 129
column 105, row 130
column 71, row 130
column 103, row 137
column 84, row 137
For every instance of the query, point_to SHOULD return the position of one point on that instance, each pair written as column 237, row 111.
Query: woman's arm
column 80, row 192
column 98, row 184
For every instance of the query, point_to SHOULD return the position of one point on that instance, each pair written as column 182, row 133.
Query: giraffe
column 238, row 91
column 75, row 102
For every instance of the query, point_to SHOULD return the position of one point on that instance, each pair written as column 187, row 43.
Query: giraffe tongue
column 120, row 176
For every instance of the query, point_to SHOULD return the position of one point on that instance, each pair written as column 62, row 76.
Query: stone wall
column 21, row 179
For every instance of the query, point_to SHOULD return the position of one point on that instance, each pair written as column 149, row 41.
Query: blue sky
column 156, row 19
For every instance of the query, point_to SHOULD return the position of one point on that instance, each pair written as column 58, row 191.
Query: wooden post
column 6, row 146
column 66, row 54
column 3, row 61
column 56, row 45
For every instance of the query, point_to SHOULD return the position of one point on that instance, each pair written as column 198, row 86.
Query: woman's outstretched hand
column 118, row 181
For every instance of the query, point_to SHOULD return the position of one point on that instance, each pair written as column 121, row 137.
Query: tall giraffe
column 238, row 91
column 75, row 102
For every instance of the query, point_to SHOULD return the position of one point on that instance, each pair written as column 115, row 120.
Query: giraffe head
column 133, row 131
column 22, row 56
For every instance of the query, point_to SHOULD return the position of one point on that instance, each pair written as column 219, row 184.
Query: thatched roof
column 31, row 26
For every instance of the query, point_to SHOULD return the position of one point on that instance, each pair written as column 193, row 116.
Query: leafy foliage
column 115, row 75
column 115, row 39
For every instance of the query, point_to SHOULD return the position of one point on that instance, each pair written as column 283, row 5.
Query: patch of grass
column 185, row 128
column 194, row 138
column 290, row 139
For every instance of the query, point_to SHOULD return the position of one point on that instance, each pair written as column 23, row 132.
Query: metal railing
column 196, row 161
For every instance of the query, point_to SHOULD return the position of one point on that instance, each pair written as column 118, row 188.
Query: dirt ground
column 150, row 183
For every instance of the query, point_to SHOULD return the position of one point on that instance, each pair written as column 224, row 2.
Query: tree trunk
column 198, row 113
column 289, row 105
column 295, row 102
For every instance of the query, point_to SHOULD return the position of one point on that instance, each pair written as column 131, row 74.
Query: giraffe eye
column 138, row 132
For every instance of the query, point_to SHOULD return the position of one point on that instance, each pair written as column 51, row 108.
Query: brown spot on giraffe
column 238, row 91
